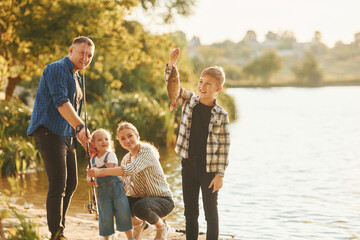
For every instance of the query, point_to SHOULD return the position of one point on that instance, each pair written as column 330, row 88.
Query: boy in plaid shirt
column 203, row 143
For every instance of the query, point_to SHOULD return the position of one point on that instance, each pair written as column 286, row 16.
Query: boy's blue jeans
column 195, row 178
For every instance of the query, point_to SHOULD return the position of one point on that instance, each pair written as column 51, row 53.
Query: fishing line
column 87, row 155
column 85, row 111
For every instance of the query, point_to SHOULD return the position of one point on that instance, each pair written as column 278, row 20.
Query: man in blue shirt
column 55, row 125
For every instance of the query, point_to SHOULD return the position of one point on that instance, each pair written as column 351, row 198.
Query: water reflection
column 31, row 189
column 294, row 164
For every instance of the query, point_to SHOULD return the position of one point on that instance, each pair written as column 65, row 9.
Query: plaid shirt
column 218, row 141
column 57, row 86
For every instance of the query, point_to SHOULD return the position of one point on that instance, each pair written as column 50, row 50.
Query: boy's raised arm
column 173, row 57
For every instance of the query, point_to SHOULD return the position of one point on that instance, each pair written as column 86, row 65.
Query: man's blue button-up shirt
column 57, row 86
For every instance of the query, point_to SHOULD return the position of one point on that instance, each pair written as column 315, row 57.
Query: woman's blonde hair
column 96, row 132
column 126, row 125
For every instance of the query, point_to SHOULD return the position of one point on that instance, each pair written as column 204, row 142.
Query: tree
column 357, row 37
column 233, row 72
column 338, row 44
column 36, row 32
column 317, row 36
column 207, row 56
column 270, row 36
column 286, row 40
column 308, row 71
column 264, row 67
column 250, row 36
column 317, row 47
column 168, row 9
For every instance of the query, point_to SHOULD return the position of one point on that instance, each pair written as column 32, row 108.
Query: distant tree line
column 280, row 59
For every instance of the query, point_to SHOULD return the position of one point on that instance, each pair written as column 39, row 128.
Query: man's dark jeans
column 195, row 177
column 60, row 163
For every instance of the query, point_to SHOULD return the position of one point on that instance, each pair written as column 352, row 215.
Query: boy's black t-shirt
column 199, row 133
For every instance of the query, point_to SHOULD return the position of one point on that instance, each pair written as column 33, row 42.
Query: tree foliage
column 233, row 72
column 169, row 9
column 263, row 67
column 16, row 152
column 308, row 71
column 36, row 32
column 339, row 64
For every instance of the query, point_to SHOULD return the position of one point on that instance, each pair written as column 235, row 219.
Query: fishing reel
column 91, row 207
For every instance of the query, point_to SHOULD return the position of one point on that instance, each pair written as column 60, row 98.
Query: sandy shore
column 76, row 228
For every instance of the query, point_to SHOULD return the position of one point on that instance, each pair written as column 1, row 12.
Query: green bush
column 15, row 116
column 150, row 115
column 25, row 229
column 16, row 154
column 17, row 151
column 227, row 102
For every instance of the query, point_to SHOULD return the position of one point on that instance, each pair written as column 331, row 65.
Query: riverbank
column 76, row 228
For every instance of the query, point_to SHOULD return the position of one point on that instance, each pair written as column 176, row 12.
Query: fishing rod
column 85, row 112
column 92, row 206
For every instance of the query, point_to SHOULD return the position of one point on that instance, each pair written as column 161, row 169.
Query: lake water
column 294, row 168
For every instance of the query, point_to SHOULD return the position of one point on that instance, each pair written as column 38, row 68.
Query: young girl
column 148, row 192
column 112, row 200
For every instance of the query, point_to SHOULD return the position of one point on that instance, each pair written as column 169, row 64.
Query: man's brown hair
column 83, row 39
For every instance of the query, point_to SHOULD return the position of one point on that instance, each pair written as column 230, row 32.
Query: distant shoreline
column 236, row 84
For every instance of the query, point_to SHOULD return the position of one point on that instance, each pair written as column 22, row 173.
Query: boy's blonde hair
column 96, row 132
column 216, row 72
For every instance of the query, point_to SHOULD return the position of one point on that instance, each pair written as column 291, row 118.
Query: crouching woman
column 148, row 192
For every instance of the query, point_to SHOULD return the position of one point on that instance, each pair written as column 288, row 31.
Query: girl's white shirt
column 111, row 159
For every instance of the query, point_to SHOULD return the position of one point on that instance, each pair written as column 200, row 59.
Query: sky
column 218, row 20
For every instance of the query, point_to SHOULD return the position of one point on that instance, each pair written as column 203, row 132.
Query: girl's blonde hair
column 126, row 125
column 96, row 132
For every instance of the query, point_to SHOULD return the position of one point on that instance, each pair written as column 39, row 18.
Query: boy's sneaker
column 141, row 230
column 162, row 233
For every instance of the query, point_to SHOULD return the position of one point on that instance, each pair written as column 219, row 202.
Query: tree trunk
column 2, row 235
column 12, row 82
